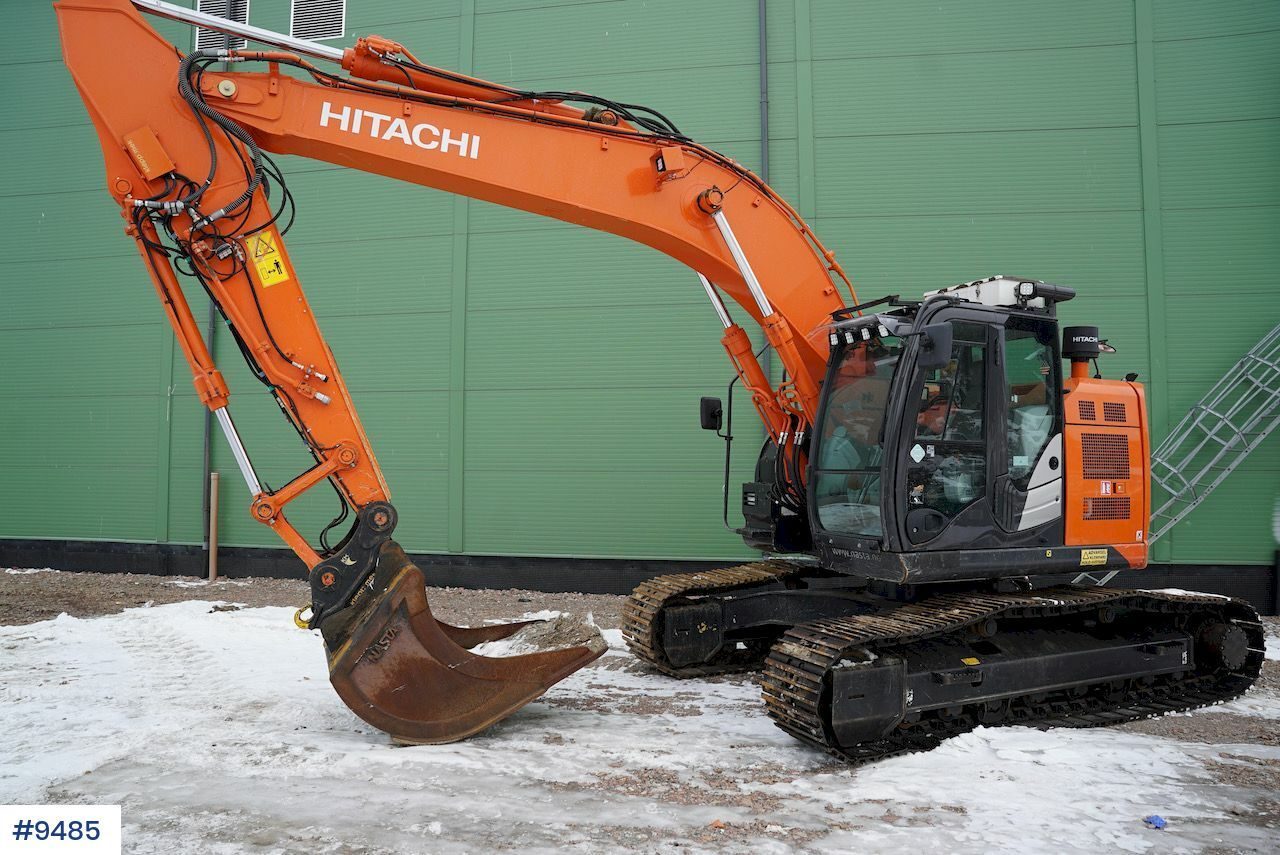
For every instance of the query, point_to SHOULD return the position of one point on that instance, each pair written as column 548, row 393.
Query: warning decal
column 1091, row 557
column 264, row 252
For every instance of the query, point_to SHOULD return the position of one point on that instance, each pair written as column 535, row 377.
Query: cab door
column 1027, row 453
column 979, row 445
column 944, row 443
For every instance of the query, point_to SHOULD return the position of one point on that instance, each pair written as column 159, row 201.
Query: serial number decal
column 851, row 553
column 1092, row 557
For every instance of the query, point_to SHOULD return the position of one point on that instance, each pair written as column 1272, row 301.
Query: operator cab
column 940, row 431
column 941, row 426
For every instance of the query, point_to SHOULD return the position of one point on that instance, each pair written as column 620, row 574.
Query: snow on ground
column 204, row 583
column 218, row 732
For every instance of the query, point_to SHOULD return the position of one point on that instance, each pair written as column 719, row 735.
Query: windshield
column 850, row 448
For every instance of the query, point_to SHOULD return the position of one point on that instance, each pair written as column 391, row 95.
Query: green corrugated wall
column 531, row 387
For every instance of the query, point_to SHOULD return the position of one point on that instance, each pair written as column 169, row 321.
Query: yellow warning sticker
column 971, row 660
column 264, row 252
column 1091, row 557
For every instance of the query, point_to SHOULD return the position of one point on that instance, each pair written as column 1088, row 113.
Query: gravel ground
column 1244, row 765
column 27, row 597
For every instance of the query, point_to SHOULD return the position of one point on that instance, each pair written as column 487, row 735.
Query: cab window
column 1031, row 395
column 947, row 459
column 850, row 449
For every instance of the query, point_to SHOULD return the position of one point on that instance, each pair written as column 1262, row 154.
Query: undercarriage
column 865, row 673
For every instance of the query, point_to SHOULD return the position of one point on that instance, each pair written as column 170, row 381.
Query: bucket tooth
column 406, row 673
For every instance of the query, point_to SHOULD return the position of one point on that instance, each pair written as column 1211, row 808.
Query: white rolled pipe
column 233, row 28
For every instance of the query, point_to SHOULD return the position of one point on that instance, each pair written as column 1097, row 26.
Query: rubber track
column 640, row 616
column 796, row 671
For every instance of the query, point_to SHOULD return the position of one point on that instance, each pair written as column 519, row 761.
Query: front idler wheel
column 1222, row 645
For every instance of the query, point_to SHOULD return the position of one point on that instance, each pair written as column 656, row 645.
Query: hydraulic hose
column 192, row 97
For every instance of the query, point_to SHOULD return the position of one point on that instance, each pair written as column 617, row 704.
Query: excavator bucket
column 406, row 673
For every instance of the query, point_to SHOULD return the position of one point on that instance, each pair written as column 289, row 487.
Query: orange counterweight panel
column 1108, row 480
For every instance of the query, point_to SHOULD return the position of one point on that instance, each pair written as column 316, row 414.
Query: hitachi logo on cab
column 381, row 126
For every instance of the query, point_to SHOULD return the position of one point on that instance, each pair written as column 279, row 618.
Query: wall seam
column 1153, row 234
column 165, row 435
column 456, row 540
column 805, row 156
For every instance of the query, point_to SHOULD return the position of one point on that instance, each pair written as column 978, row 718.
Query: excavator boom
column 187, row 144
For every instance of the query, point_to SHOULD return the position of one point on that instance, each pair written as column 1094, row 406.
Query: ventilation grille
column 318, row 19
column 1112, row 412
column 1088, row 411
column 1106, row 508
column 232, row 10
column 1106, row 456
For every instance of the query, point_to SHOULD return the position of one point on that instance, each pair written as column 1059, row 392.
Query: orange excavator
column 927, row 471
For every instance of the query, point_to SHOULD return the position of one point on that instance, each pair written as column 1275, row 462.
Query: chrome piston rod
column 744, row 266
column 718, row 304
column 237, row 450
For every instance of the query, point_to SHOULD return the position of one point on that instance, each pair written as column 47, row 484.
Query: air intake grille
column 1114, row 412
column 318, row 19
column 232, row 10
column 1088, row 411
column 1106, row 508
column 1106, row 456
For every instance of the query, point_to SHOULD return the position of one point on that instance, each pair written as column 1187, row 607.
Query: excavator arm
column 186, row 144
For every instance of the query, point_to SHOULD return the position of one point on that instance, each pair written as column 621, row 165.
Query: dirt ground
column 1251, row 779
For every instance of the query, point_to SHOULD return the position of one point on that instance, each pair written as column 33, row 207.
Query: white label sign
column 60, row 829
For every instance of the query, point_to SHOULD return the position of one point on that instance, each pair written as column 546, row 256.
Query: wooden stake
column 213, row 526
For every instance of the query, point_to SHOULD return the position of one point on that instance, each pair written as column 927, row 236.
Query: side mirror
column 711, row 413
column 935, row 342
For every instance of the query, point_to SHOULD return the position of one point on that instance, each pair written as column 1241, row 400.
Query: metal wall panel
column 585, row 355
column 82, row 358
column 529, row 386
column 1217, row 72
